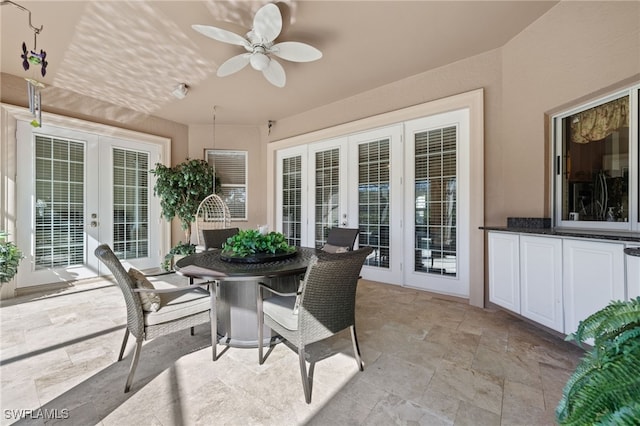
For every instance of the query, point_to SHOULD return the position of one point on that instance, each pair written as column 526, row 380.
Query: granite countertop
column 542, row 226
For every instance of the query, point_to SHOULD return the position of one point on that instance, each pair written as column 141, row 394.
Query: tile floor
column 428, row 361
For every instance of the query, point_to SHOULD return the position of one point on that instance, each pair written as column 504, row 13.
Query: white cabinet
column 541, row 280
column 593, row 275
column 525, row 276
column 504, row 270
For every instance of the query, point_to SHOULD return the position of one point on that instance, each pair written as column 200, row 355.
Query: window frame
column 559, row 163
column 209, row 154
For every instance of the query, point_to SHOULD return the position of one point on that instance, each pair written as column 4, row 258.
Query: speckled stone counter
column 632, row 251
column 542, row 226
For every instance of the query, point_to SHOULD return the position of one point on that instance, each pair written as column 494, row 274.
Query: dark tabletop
column 208, row 264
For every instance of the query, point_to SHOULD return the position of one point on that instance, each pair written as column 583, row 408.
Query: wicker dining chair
column 340, row 239
column 215, row 238
column 179, row 308
column 323, row 307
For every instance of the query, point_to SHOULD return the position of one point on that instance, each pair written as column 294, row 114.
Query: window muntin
column 596, row 160
column 231, row 170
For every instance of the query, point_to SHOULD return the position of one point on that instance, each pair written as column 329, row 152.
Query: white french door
column 78, row 190
column 437, row 203
column 375, row 200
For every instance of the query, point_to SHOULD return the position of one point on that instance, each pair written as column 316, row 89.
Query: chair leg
column 213, row 318
column 134, row 364
column 260, row 327
column 307, row 380
column 356, row 348
column 124, row 343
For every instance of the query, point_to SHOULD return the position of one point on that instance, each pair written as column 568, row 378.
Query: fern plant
column 248, row 242
column 605, row 387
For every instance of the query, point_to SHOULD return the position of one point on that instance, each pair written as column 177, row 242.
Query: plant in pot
column 181, row 189
column 10, row 256
column 251, row 245
column 605, row 387
column 176, row 253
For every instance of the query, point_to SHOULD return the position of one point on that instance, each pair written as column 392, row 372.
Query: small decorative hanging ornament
column 35, row 106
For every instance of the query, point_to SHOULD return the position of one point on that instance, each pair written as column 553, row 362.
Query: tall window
column 59, row 216
column 373, row 202
column 327, row 193
column 597, row 163
column 292, row 199
column 231, row 179
column 435, row 192
column 130, row 203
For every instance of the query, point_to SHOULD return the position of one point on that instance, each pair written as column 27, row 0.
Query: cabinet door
column 504, row 270
column 541, row 280
column 593, row 274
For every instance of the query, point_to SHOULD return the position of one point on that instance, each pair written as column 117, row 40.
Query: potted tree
column 10, row 256
column 181, row 190
column 605, row 387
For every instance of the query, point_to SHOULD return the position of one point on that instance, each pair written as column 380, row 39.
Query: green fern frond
column 605, row 387
column 625, row 416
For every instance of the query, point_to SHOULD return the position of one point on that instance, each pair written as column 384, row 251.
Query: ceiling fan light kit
column 259, row 43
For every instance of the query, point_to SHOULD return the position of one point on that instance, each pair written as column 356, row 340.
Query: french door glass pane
column 130, row 203
column 291, row 199
column 327, row 193
column 373, row 203
column 59, row 218
column 435, row 203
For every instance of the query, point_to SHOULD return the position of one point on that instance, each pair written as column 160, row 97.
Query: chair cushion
column 178, row 305
column 150, row 301
column 330, row 248
column 280, row 309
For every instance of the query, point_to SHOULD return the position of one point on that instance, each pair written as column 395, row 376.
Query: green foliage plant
column 10, row 256
column 182, row 188
column 605, row 387
column 248, row 242
column 182, row 249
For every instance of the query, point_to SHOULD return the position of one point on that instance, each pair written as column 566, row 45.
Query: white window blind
column 59, row 218
column 231, row 170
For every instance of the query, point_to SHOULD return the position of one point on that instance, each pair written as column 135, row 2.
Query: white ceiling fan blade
column 267, row 23
column 274, row 73
column 222, row 35
column 234, row 64
column 295, row 51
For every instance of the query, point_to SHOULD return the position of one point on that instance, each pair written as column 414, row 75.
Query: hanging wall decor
column 32, row 57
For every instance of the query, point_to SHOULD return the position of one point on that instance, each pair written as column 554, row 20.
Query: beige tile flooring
column 428, row 361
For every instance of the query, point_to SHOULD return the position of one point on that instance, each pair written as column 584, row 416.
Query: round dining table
column 237, row 289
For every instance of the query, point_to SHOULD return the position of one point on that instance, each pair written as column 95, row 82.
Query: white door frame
column 11, row 115
column 474, row 101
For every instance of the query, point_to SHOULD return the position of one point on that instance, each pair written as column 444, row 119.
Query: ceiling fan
column 259, row 43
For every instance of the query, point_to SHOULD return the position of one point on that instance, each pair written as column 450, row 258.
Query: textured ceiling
column 133, row 54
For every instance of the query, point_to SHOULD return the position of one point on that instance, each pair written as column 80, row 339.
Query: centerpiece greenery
column 605, row 387
column 10, row 256
column 251, row 242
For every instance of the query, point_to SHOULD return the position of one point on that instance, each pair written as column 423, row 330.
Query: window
column 231, row 170
column 596, row 181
